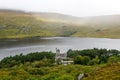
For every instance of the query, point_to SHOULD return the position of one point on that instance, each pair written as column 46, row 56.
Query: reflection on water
column 13, row 47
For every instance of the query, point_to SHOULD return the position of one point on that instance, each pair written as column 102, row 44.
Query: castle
column 59, row 55
column 62, row 57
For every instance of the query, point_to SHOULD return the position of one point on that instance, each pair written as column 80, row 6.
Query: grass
column 22, row 25
column 108, row 72
column 44, row 73
column 61, row 72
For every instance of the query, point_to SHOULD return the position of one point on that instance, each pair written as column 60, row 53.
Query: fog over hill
column 30, row 24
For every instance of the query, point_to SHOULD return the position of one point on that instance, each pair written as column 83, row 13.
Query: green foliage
column 38, row 71
column 96, row 60
column 78, row 60
column 108, row 72
column 59, row 72
column 52, row 76
column 113, row 59
column 32, row 57
column 65, row 77
column 92, row 56
column 86, row 60
column 82, row 60
column 13, row 74
column 40, row 66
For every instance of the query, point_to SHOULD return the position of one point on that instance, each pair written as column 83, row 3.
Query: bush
column 65, row 77
column 83, row 60
column 38, row 71
column 52, row 76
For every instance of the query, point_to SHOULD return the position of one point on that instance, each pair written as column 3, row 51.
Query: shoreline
column 36, row 37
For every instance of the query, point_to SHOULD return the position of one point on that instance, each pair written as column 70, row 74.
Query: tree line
column 83, row 57
column 22, row 59
column 94, row 56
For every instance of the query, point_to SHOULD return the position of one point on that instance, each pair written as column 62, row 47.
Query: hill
column 20, row 24
column 106, row 26
column 17, row 24
column 42, row 66
column 109, row 72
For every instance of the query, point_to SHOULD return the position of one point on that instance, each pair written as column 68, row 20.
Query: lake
column 13, row 47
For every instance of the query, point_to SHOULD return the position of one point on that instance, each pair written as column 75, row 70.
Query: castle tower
column 57, row 53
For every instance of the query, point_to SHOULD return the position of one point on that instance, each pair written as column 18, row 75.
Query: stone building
column 62, row 57
column 59, row 55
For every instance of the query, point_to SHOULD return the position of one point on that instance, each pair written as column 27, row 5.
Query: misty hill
column 56, row 16
column 25, row 24
column 109, row 20
column 20, row 24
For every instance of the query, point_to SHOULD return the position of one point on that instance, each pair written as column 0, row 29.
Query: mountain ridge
column 20, row 24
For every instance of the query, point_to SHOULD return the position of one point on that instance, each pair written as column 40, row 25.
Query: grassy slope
column 26, row 72
column 15, row 24
column 101, row 26
column 109, row 72
column 20, row 25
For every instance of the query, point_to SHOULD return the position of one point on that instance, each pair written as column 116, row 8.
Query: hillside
column 109, row 72
column 43, row 66
column 107, row 26
column 17, row 24
column 20, row 24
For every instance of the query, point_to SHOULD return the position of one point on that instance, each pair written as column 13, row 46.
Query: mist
column 78, row 8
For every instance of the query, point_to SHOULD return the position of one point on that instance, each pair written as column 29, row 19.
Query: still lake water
column 13, row 47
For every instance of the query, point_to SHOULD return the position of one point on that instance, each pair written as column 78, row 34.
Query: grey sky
column 71, row 7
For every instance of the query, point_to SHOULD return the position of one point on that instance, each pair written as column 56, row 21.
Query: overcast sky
column 72, row 7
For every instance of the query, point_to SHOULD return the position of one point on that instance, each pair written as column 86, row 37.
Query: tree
column 78, row 60
column 46, row 57
column 96, row 60
column 112, row 59
column 86, row 60
column 83, row 60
